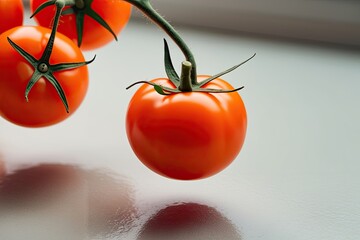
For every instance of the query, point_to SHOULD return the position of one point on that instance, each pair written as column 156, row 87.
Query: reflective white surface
column 295, row 178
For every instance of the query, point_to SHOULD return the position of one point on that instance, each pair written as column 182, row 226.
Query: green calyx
column 42, row 66
column 187, row 82
column 80, row 8
column 184, row 83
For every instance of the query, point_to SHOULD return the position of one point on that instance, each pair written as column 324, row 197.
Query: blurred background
column 335, row 21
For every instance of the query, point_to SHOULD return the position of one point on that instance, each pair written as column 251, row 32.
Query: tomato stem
column 43, row 67
column 150, row 12
column 60, row 4
column 185, row 79
column 80, row 4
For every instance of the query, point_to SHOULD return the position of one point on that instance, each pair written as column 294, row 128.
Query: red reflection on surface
column 188, row 221
column 68, row 200
column 42, row 182
column 2, row 169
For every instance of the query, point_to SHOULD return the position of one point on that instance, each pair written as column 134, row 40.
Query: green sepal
column 80, row 16
column 214, row 90
column 202, row 83
column 94, row 15
column 159, row 90
column 51, row 78
column 169, row 67
column 33, row 61
column 67, row 66
column 34, row 78
column 42, row 6
column 80, row 27
column 68, row 11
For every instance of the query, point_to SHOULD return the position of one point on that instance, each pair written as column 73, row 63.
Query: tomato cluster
column 183, row 127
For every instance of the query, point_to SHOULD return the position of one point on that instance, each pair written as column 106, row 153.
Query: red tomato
column 11, row 14
column 115, row 13
column 45, row 106
column 189, row 135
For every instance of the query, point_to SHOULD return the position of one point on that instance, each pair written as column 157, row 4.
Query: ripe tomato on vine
column 186, row 126
column 43, row 76
column 89, row 23
column 188, row 135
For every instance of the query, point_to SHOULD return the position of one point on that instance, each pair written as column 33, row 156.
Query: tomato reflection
column 2, row 169
column 38, row 183
column 67, row 200
column 186, row 221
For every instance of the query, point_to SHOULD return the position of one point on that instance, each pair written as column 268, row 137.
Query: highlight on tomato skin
column 11, row 14
column 186, row 136
column 44, row 107
column 115, row 13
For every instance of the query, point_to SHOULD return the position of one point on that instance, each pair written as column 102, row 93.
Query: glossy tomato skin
column 189, row 135
column 45, row 106
column 11, row 14
column 115, row 13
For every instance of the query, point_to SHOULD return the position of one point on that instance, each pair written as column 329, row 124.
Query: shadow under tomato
column 2, row 169
column 51, row 199
column 186, row 221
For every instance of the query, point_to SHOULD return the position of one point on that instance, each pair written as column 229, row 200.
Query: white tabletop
column 297, row 176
